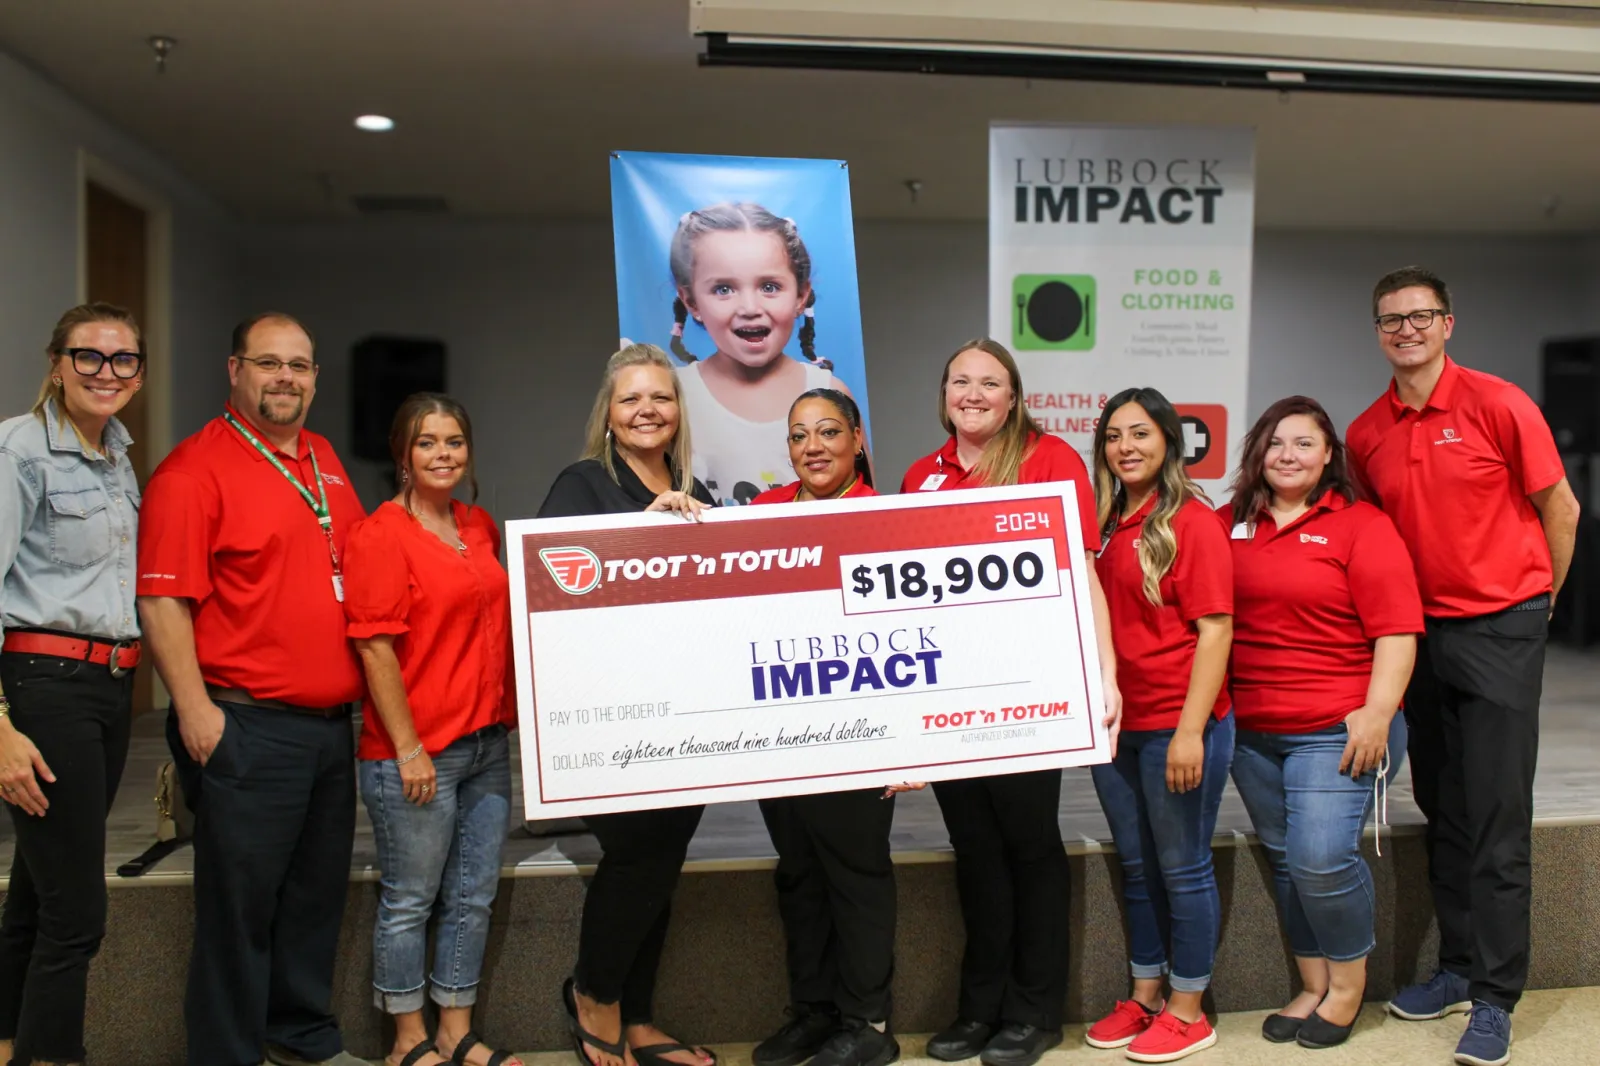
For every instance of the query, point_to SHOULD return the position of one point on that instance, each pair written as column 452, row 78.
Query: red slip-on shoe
column 1127, row 1020
column 1169, row 1039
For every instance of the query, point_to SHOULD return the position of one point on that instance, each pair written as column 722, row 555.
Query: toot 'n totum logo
column 576, row 570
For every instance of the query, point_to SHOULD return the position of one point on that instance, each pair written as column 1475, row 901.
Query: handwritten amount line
column 847, row 699
column 741, row 751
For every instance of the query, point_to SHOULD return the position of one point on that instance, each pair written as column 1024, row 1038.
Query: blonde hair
column 83, row 315
column 597, row 438
column 1158, row 544
column 1001, row 461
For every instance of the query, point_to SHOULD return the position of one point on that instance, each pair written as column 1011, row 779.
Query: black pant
column 835, row 886
column 78, row 716
column 275, row 815
column 1011, row 872
column 1473, row 712
column 629, row 905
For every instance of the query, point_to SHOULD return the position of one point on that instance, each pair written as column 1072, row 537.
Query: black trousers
column 275, row 815
column 1011, row 873
column 1473, row 712
column 836, row 895
column 78, row 716
column 629, row 905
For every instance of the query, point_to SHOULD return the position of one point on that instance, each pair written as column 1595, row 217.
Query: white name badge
column 932, row 482
column 1241, row 531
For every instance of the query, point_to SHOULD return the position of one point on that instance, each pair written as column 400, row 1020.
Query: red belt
column 121, row 656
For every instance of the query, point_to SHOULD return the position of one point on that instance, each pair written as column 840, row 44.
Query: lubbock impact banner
column 1120, row 256
column 745, row 270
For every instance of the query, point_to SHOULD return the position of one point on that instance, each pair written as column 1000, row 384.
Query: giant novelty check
column 775, row 651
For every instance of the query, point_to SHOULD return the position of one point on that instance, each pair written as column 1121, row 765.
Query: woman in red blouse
column 1327, row 613
column 429, row 608
column 1169, row 583
column 835, row 879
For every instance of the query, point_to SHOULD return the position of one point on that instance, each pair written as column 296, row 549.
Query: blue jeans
column 1309, row 818
column 1181, row 905
column 445, row 851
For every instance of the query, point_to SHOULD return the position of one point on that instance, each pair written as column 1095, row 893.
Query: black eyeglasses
column 1418, row 320
column 88, row 361
column 269, row 365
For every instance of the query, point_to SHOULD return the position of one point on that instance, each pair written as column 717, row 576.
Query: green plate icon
column 1053, row 312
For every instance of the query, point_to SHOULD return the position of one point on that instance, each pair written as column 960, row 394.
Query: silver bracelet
column 403, row 759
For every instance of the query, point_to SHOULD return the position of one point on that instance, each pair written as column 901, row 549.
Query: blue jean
column 1309, row 818
column 440, row 859
column 1181, row 905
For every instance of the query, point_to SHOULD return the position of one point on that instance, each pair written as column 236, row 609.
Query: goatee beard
column 281, row 420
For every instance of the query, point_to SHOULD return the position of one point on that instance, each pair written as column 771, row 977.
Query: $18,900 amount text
column 950, row 576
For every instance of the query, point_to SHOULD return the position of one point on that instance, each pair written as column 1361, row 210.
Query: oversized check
column 781, row 650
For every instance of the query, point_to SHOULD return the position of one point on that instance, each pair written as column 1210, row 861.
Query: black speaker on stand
column 1572, row 407
column 385, row 370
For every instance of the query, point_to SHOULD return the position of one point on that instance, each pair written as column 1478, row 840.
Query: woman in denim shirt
column 69, row 508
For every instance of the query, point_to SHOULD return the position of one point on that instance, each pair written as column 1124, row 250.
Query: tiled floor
column 1567, row 789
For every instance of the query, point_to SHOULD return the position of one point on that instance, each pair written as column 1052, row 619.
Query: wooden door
column 115, row 243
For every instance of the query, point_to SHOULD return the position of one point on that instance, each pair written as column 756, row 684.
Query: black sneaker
column 961, row 1039
column 858, row 1044
column 1019, row 1045
column 807, row 1029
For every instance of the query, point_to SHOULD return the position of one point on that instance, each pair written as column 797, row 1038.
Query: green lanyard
column 317, row 503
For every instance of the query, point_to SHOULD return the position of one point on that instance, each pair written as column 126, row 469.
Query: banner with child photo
column 743, row 269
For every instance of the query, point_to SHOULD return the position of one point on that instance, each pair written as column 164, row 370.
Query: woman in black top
column 636, row 459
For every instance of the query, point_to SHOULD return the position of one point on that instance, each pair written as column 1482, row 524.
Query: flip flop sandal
column 470, row 1041
column 582, row 1036
column 655, row 1054
column 418, row 1053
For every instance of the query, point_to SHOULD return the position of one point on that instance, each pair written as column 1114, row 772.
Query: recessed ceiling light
column 374, row 123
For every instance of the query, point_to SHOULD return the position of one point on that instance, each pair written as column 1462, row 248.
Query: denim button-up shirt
column 68, row 522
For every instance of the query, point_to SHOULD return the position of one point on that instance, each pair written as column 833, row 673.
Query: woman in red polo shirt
column 1011, row 869
column 429, row 608
column 834, row 878
column 1325, row 594
column 1169, row 582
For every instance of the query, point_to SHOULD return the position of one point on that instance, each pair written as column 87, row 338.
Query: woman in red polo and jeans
column 430, row 608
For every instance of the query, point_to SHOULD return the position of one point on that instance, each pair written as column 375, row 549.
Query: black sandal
column 656, row 1054
column 582, row 1036
column 470, row 1041
column 418, row 1053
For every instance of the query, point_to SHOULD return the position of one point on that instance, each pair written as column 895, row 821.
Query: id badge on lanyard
column 317, row 503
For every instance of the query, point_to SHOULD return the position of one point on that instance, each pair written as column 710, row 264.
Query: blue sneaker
column 1487, row 1041
column 1443, row 993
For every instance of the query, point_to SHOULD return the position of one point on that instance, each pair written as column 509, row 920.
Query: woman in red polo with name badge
column 1325, row 595
column 429, row 607
column 1011, row 867
column 1169, row 582
column 69, row 510
column 835, row 879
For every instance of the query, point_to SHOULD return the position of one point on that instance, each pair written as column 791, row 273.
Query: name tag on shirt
column 933, row 481
column 1242, row 531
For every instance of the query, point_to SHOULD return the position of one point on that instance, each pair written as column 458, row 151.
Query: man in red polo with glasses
column 1466, row 466
column 241, row 599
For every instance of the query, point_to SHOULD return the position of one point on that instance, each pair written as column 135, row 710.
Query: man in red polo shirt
column 240, row 595
column 1466, row 466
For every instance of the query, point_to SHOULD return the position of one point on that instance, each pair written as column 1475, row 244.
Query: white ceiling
column 509, row 107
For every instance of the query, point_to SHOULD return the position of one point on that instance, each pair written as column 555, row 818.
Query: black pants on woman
column 1011, row 874
column 835, row 884
column 629, row 905
column 78, row 716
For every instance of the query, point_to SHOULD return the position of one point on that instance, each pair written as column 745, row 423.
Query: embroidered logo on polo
column 1312, row 538
column 576, row 570
column 333, row 479
column 1449, row 437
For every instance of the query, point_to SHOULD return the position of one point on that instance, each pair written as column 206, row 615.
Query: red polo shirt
column 1155, row 645
column 789, row 493
column 220, row 527
column 1456, row 477
column 1309, row 600
column 450, row 614
column 1049, row 459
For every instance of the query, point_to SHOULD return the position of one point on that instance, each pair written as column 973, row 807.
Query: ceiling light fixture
column 374, row 123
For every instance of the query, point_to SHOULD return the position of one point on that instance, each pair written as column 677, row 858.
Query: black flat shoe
column 1019, row 1045
column 960, row 1040
column 801, row 1037
column 1281, row 1029
column 1317, row 1034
